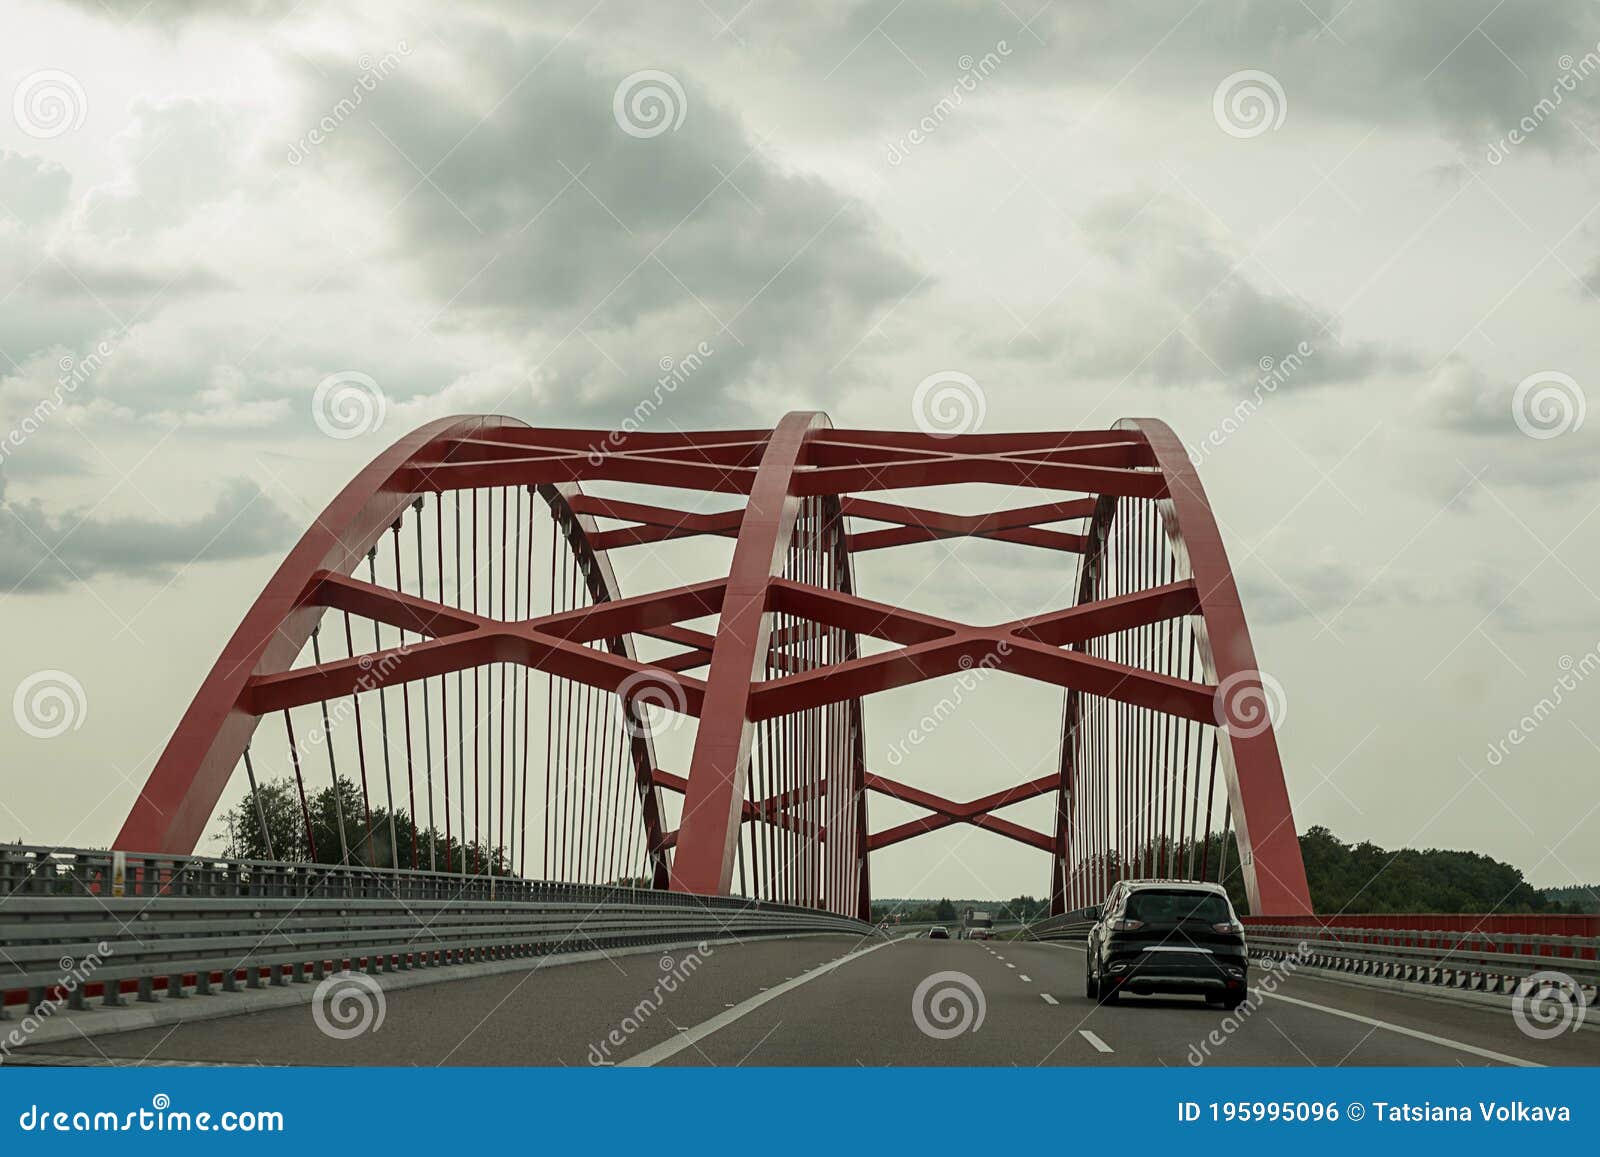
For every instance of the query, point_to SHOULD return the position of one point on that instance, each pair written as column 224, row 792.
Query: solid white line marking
column 1100, row 1045
column 1417, row 1033
column 671, row 1048
column 1026, row 979
column 1048, row 999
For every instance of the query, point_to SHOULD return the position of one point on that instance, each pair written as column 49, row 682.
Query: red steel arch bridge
column 450, row 639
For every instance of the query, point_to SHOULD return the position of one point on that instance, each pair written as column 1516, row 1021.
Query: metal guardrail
column 1501, row 963
column 1496, row 963
column 1072, row 925
column 75, row 924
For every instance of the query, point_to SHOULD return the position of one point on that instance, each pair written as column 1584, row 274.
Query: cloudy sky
column 1092, row 210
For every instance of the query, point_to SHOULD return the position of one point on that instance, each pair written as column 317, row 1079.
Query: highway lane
column 1035, row 1013
column 832, row 1001
column 562, row 1015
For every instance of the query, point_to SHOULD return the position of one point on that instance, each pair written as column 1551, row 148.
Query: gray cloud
column 32, row 190
column 1470, row 69
column 139, row 284
column 41, row 550
column 179, row 155
column 1185, row 310
column 609, row 251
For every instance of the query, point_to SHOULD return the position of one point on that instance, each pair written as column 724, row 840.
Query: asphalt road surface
column 834, row 1001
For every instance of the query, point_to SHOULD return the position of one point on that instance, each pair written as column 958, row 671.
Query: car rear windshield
column 1173, row 906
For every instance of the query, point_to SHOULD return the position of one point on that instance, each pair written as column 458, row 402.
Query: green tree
column 373, row 846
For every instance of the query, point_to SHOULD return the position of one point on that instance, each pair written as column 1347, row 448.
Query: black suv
column 1167, row 936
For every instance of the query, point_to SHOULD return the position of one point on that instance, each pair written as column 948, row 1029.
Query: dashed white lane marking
column 687, row 1037
column 1417, row 1033
column 1100, row 1045
column 1025, row 978
column 1010, row 965
column 1048, row 999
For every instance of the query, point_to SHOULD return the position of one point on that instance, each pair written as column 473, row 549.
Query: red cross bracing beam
column 477, row 554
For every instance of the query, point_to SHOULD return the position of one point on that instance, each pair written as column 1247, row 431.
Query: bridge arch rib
column 1153, row 656
column 255, row 673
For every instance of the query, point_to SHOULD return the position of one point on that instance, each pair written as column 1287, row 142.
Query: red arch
column 804, row 458
column 1269, row 850
column 713, row 805
column 1269, row 844
column 183, row 789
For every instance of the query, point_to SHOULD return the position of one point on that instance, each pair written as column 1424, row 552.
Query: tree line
column 1343, row 877
column 386, row 842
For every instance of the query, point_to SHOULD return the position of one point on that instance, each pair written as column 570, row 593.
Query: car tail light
column 1126, row 925
column 1229, row 926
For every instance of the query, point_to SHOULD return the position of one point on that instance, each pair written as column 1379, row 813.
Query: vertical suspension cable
column 549, row 719
column 514, row 613
column 383, row 718
column 527, row 687
column 361, row 746
column 300, row 785
column 444, row 706
column 405, row 706
column 500, row 805
column 1205, row 855
column 427, row 709
column 327, row 741
column 261, row 812
column 1223, row 849
column 477, row 717
column 461, row 703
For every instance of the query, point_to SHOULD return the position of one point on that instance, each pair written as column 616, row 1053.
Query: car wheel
column 1107, row 993
column 1091, row 986
column 1232, row 1002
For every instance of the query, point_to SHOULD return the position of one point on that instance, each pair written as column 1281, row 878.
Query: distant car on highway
column 938, row 932
column 1167, row 936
